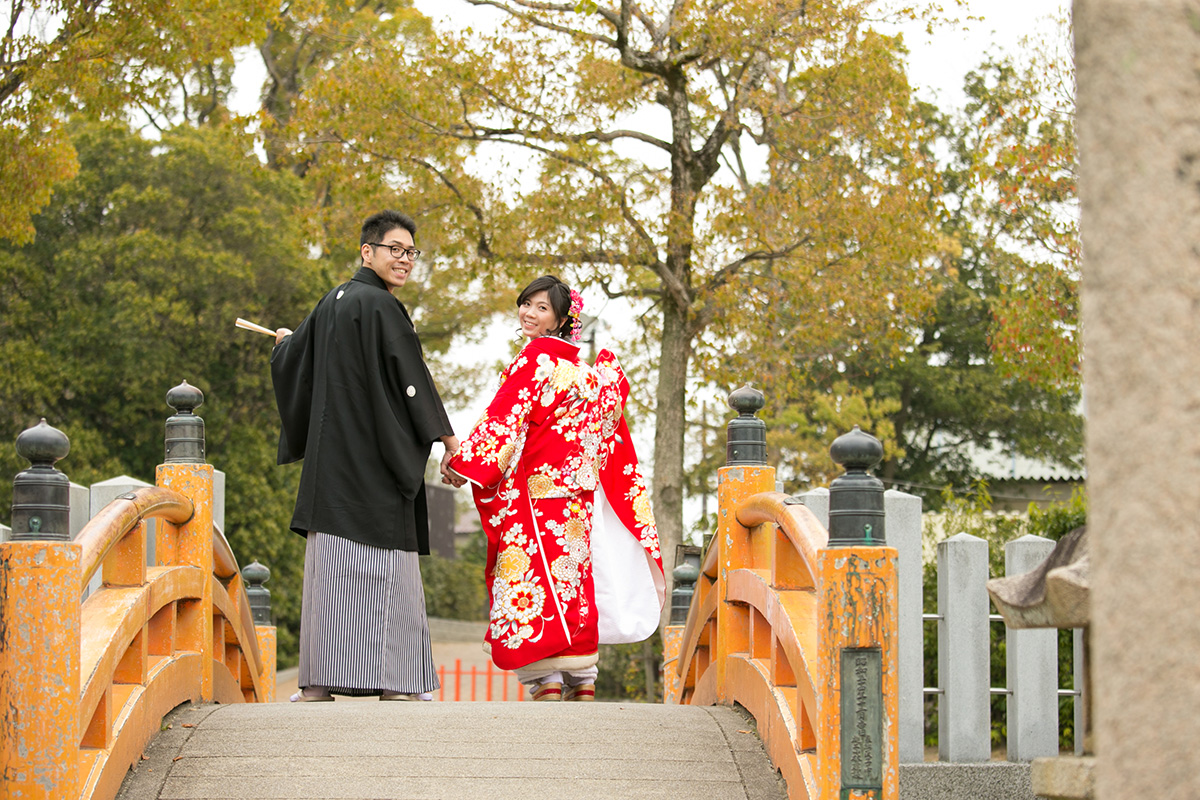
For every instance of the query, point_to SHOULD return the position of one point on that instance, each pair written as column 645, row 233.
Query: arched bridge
column 780, row 676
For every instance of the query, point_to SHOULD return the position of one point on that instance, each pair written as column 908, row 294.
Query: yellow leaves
column 605, row 87
column 31, row 163
column 99, row 59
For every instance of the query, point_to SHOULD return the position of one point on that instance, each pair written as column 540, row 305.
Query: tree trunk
column 649, row 673
column 675, row 355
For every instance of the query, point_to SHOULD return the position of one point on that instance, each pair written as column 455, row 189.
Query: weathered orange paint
column 39, row 670
column 774, row 608
column 194, row 547
column 791, row 616
column 776, row 727
column 125, row 563
column 226, row 688
column 166, row 543
column 111, row 619
column 83, row 688
column 237, row 624
column 138, row 712
column 104, row 530
column 672, row 637
column 794, row 565
column 857, row 608
column 266, row 649
column 734, row 486
column 161, row 631
column 224, row 563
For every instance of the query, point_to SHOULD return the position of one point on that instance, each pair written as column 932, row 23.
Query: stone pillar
column 904, row 533
column 964, row 655
column 1139, row 153
column 1031, row 667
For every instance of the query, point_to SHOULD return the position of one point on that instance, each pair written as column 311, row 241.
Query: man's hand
column 449, row 476
column 281, row 334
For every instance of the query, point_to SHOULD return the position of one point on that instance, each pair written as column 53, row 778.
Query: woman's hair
column 560, row 301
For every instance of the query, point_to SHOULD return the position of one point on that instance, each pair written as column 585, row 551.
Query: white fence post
column 219, row 500
column 903, row 514
column 104, row 492
column 1079, row 673
column 80, row 507
column 964, row 717
column 1032, row 667
column 817, row 501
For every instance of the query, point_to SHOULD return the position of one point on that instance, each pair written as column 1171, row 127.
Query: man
column 358, row 404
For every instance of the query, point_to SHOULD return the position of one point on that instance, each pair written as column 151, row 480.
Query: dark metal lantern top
column 685, row 573
column 856, row 451
column 747, row 400
column 42, row 445
column 185, row 430
column 41, row 507
column 856, row 502
column 185, row 398
column 746, row 439
column 255, row 575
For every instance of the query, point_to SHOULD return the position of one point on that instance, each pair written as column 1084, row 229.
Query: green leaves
column 140, row 266
column 101, row 60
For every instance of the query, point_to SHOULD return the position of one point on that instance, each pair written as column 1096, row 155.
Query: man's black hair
column 379, row 225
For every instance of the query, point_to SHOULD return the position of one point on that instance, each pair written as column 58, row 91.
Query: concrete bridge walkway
column 419, row 751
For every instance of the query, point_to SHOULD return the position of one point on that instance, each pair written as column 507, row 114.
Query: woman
column 573, row 558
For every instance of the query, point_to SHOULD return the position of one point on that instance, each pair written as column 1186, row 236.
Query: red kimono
column 573, row 557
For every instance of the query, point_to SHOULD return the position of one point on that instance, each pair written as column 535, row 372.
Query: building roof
column 1002, row 466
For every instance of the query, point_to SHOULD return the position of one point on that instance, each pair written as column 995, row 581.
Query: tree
column 1017, row 148
column 139, row 267
column 100, row 59
column 700, row 159
column 310, row 36
column 994, row 363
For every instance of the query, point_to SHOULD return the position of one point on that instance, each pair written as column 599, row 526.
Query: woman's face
column 537, row 317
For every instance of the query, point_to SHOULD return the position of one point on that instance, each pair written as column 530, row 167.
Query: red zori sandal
column 548, row 691
column 582, row 693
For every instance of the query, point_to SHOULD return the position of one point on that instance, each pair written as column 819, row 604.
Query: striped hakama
column 363, row 627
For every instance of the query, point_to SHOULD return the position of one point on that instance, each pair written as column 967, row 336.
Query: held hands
column 281, row 334
column 449, row 476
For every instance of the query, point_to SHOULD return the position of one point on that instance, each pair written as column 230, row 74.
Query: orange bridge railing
column 798, row 630
column 84, row 686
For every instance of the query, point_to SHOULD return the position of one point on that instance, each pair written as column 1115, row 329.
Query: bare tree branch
column 724, row 275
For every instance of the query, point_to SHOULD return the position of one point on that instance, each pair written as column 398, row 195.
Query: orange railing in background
column 777, row 618
column 84, row 686
column 488, row 675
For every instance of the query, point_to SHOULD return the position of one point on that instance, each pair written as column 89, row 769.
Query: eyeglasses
column 399, row 251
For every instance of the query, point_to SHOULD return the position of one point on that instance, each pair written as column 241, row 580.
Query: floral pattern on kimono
column 554, row 433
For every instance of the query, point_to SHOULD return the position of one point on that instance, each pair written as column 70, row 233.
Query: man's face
column 393, row 271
